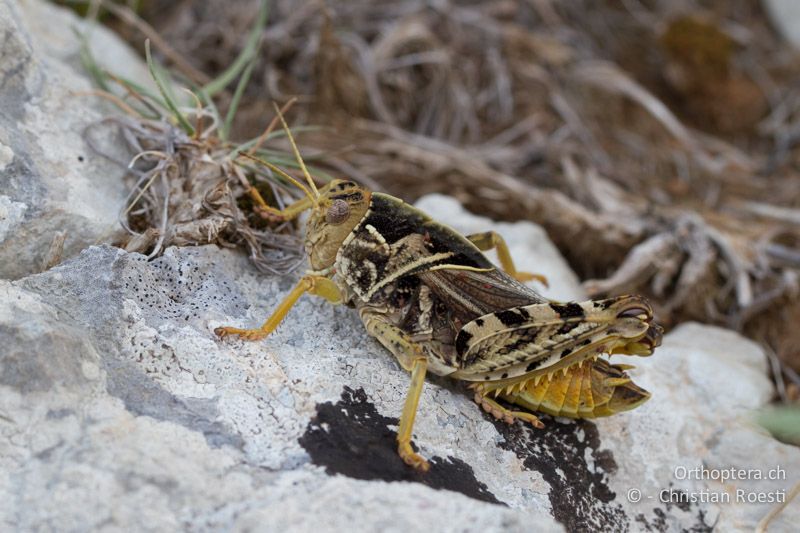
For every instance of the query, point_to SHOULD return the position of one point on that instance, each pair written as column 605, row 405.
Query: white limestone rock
column 785, row 16
column 50, row 180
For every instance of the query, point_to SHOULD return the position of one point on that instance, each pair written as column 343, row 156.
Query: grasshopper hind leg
column 501, row 413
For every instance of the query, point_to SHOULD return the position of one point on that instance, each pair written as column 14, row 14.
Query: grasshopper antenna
column 283, row 175
column 296, row 151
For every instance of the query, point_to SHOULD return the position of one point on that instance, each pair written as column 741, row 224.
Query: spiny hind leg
column 317, row 285
column 411, row 358
column 490, row 239
column 506, row 415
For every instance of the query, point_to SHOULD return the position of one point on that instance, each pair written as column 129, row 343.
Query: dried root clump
column 194, row 189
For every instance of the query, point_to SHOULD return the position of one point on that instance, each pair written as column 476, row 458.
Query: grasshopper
column 430, row 296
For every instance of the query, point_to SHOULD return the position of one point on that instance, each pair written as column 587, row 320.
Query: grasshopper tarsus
column 412, row 458
column 268, row 215
column 246, row 334
column 506, row 415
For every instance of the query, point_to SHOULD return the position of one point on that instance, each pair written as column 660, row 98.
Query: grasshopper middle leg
column 318, row 285
column 490, row 239
column 411, row 358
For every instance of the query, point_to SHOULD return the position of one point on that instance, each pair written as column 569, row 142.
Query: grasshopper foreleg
column 490, row 239
column 317, row 285
column 290, row 212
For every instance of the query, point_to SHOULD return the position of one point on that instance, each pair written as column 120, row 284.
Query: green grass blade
column 244, row 147
column 287, row 161
column 101, row 77
column 319, row 173
column 209, row 102
column 248, row 53
column 237, row 95
column 164, row 93
column 783, row 422
column 87, row 60
column 153, row 100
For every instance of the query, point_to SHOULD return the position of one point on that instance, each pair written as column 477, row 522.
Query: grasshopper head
column 340, row 207
column 335, row 210
column 632, row 319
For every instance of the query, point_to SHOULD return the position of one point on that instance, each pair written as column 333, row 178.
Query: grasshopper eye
column 337, row 212
column 634, row 312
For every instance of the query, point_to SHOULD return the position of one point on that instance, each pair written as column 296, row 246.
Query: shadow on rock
column 568, row 456
column 579, row 493
column 351, row 438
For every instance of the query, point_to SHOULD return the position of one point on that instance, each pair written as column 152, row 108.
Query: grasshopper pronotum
column 437, row 304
